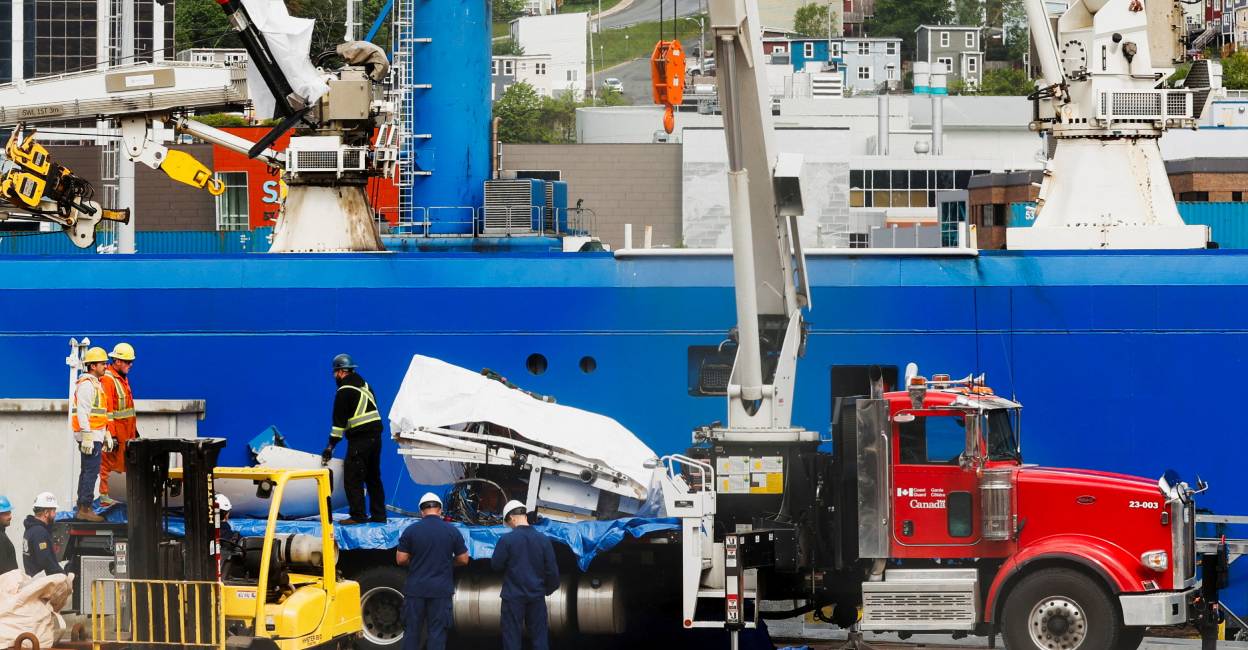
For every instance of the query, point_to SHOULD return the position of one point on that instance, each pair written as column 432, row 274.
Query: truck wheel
column 381, row 607
column 1130, row 638
column 1059, row 609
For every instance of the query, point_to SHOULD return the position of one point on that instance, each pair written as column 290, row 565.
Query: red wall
column 262, row 186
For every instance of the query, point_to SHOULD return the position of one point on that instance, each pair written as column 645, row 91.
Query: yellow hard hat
column 123, row 351
column 95, row 355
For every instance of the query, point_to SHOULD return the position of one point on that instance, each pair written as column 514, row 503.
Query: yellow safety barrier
column 157, row 613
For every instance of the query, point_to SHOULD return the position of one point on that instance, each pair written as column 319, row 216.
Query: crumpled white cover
column 290, row 40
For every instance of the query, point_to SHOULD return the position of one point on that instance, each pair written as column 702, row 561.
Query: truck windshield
column 1001, row 436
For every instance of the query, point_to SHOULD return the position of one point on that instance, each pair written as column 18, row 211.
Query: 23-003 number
column 1146, row 505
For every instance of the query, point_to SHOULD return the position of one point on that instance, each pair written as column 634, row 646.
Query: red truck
column 924, row 517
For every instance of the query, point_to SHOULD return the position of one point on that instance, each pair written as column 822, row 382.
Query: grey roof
column 1005, row 179
column 948, row 27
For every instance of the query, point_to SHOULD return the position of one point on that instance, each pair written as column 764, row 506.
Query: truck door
column 934, row 498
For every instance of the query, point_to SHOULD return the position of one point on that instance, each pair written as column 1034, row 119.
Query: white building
column 533, row 69
column 563, row 37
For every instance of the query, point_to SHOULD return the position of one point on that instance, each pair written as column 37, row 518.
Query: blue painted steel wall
column 1105, row 349
column 455, row 110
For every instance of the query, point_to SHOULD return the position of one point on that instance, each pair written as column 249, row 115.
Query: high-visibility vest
column 365, row 410
column 98, row 419
column 121, row 413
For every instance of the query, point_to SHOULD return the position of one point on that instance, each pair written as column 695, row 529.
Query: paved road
column 641, row 11
column 834, row 639
column 635, row 76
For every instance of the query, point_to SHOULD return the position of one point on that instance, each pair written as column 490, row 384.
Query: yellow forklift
column 203, row 589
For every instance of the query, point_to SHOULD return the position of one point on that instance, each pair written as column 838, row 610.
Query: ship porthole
column 536, row 363
column 588, row 365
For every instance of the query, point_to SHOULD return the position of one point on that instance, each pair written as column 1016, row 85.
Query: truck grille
column 1183, row 542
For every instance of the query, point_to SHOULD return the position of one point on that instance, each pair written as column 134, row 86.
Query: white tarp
column 437, row 394
column 290, row 41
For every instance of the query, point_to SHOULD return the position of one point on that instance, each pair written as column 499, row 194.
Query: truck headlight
column 1156, row 560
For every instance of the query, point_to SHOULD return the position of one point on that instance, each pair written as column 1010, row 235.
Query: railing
column 495, row 221
column 156, row 613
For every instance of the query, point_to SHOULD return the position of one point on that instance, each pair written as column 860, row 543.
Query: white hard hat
column 430, row 498
column 46, row 500
column 223, row 502
column 511, row 508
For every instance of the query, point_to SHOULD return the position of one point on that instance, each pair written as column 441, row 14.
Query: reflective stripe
column 98, row 415
column 122, row 414
column 363, row 414
column 336, row 432
column 363, row 419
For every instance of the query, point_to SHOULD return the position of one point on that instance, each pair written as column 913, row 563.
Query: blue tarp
column 585, row 539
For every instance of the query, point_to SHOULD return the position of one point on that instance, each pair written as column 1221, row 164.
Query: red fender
column 1118, row 567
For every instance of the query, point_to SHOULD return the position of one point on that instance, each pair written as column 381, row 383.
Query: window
column 232, row 208
column 1237, row 196
column 808, row 50
column 972, row 65
column 1001, row 437
column 539, row 68
column 864, row 48
column 780, row 49
column 890, row 48
column 970, row 40
column 509, row 68
column 849, row 6
column 836, row 49
column 859, row 240
column 202, row 57
column 932, row 440
column 235, row 57
column 944, row 39
column 1193, row 196
column 890, row 72
column 946, row 61
column 864, row 72
column 494, row 67
column 572, row 75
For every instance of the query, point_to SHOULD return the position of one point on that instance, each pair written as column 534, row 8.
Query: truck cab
column 966, row 537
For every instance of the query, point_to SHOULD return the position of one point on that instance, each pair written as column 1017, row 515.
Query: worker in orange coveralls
column 122, row 423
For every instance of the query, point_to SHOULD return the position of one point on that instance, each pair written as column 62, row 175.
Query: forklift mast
column 153, row 556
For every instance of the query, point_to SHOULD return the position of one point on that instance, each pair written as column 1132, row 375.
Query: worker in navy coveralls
column 527, row 560
column 430, row 549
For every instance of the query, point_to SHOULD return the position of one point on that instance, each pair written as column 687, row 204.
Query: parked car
column 613, row 83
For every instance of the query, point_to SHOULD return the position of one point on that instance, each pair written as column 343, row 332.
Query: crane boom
column 769, row 270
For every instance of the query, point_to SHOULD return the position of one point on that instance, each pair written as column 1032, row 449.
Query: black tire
column 1130, row 638
column 1060, row 609
column 381, row 604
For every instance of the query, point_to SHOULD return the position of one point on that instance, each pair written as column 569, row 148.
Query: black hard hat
column 344, row 362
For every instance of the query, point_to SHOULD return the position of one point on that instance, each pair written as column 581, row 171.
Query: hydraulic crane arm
column 764, row 193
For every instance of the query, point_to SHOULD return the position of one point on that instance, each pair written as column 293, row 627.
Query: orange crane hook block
column 667, row 75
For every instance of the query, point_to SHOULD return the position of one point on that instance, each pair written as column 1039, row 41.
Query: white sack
column 437, row 394
column 31, row 605
column 290, row 41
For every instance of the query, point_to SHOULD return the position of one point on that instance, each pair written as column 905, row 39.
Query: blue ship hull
column 1117, row 357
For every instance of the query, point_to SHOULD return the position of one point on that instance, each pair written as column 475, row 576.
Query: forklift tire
column 381, row 607
column 1060, row 609
column 1130, row 638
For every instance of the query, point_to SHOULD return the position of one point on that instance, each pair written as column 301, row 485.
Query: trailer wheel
column 1131, row 638
column 381, row 606
column 1060, row 609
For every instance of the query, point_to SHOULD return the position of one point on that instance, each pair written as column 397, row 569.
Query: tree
column 813, row 19
column 505, row 10
column 969, row 12
column 899, row 18
column 1005, row 81
column 520, row 112
column 508, row 47
column 1235, row 71
column 201, row 23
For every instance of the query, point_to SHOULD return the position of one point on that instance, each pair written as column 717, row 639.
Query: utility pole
column 125, row 170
